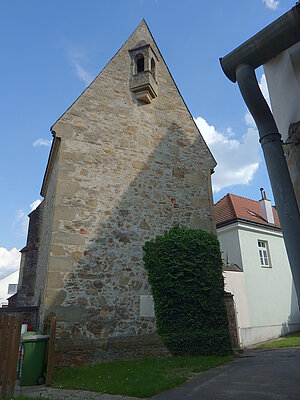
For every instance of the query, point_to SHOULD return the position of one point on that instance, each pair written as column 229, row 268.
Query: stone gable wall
column 28, row 267
column 127, row 172
column 46, row 229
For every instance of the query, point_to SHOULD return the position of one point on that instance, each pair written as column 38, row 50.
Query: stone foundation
column 232, row 323
column 92, row 352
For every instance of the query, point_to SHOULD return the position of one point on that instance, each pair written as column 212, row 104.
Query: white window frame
column 264, row 253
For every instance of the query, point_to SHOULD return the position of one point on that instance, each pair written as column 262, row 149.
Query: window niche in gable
column 143, row 73
column 140, row 63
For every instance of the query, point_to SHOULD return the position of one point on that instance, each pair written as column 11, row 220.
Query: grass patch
column 140, row 378
column 291, row 340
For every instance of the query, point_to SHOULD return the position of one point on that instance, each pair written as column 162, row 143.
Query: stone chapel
column 127, row 162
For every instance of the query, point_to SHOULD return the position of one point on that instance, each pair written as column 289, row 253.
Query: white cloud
column 82, row 73
column 9, row 261
column 249, row 120
column 77, row 59
column 20, row 224
column 271, row 4
column 238, row 160
column 35, row 204
column 42, row 142
column 264, row 89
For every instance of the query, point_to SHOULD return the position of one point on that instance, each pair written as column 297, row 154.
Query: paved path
column 258, row 375
column 62, row 394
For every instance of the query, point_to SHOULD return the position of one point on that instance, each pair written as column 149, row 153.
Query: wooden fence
column 29, row 314
column 51, row 330
column 10, row 332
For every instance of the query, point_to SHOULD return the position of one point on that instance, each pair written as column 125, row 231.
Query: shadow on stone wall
column 101, row 298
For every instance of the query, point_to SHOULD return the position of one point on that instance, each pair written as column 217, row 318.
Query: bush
column 185, row 271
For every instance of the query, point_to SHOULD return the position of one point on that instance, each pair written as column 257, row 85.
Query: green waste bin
column 32, row 356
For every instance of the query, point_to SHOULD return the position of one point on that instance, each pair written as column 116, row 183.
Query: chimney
column 266, row 207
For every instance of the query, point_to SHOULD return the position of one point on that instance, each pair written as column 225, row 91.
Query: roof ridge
column 247, row 198
column 243, row 197
column 236, row 195
column 232, row 205
column 222, row 198
column 143, row 22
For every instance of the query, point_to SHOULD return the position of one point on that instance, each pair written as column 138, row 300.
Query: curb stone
column 64, row 394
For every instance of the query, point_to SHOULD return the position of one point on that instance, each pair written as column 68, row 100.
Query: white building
column 283, row 79
column 8, row 287
column 258, row 272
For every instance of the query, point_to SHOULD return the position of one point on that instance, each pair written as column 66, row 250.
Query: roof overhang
column 249, row 226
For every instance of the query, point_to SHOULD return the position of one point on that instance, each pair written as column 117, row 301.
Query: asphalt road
column 257, row 375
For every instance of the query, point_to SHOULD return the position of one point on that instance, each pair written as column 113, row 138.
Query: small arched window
column 153, row 67
column 140, row 63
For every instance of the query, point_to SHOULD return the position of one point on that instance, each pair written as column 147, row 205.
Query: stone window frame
column 153, row 66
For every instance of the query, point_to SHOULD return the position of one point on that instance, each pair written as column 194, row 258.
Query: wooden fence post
column 9, row 350
column 3, row 334
column 14, row 356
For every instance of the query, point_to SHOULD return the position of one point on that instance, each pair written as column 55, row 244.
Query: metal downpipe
column 270, row 139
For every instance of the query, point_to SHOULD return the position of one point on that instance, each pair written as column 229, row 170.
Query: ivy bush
column 185, row 271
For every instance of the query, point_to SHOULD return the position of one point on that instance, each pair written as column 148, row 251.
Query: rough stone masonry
column 127, row 162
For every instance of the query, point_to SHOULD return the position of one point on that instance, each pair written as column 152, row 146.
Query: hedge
column 185, row 271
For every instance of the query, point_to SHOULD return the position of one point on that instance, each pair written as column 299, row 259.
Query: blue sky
column 51, row 50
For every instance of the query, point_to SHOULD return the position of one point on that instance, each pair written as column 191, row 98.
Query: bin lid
column 33, row 337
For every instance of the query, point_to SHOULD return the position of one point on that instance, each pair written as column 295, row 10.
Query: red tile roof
column 232, row 207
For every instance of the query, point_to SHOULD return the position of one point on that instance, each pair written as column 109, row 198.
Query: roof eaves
column 246, row 221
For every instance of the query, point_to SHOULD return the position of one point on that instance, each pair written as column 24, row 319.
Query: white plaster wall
column 269, row 289
column 227, row 236
column 265, row 298
column 254, row 335
column 235, row 284
column 10, row 279
column 283, row 79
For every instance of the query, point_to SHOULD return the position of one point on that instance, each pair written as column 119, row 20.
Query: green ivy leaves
column 185, row 271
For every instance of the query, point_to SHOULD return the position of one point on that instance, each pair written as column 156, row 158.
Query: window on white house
column 264, row 255
column 12, row 288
